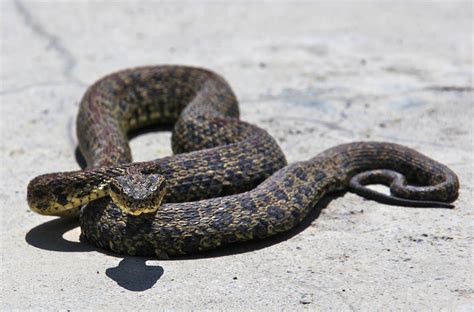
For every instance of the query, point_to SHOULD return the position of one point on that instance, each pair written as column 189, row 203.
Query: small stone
column 306, row 299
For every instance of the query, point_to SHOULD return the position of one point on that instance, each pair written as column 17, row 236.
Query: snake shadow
column 133, row 273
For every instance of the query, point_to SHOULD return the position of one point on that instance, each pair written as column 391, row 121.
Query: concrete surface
column 314, row 75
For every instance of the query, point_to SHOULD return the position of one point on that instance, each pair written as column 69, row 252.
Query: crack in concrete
column 451, row 88
column 54, row 43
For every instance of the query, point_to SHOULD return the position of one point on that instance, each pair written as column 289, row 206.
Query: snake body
column 216, row 154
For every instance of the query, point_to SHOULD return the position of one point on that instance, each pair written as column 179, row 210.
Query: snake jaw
column 138, row 193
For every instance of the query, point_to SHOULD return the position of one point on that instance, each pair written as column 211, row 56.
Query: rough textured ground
column 313, row 75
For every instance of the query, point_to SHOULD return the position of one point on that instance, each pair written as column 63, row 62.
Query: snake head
column 39, row 196
column 137, row 193
column 49, row 194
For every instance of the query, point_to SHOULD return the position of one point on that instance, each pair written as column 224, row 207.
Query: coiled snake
column 227, row 180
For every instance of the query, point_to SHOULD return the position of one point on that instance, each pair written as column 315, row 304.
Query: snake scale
column 228, row 180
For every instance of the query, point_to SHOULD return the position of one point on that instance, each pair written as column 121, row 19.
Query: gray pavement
column 314, row 75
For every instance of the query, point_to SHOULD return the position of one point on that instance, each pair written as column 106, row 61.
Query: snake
column 227, row 181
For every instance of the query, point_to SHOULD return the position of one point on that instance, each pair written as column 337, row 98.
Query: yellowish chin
column 140, row 211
